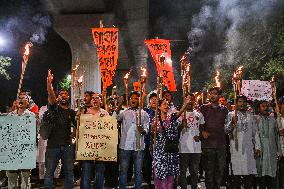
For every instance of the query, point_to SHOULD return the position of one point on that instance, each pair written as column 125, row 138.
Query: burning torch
column 185, row 75
column 159, row 96
column 24, row 64
column 217, row 79
column 139, row 114
column 126, row 81
column 73, row 83
column 79, row 85
column 236, row 81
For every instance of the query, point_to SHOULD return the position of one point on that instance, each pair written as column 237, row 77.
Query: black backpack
column 46, row 125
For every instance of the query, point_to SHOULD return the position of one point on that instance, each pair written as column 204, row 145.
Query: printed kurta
column 243, row 160
column 270, row 146
column 166, row 164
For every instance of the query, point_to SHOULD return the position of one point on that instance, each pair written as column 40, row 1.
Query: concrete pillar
column 76, row 31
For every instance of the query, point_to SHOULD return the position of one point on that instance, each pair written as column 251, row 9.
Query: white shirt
column 186, row 142
column 281, row 127
column 129, row 129
column 26, row 112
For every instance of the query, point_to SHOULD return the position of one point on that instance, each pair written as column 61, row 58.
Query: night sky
column 53, row 52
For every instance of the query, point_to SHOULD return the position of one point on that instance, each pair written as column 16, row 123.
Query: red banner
column 136, row 86
column 158, row 47
column 106, row 40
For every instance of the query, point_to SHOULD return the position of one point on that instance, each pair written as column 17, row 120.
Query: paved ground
column 59, row 185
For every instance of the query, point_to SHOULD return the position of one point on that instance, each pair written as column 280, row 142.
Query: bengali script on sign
column 98, row 138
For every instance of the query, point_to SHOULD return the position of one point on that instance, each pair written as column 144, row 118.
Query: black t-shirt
column 63, row 119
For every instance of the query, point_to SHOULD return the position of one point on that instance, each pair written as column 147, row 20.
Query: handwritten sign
column 106, row 40
column 256, row 90
column 158, row 47
column 98, row 138
column 17, row 142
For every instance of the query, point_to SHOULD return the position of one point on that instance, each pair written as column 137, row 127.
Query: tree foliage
column 65, row 83
column 261, row 53
column 4, row 63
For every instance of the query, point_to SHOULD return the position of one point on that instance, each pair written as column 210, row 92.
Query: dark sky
column 54, row 53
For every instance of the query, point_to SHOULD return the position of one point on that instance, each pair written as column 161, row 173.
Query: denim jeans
column 124, row 163
column 52, row 156
column 191, row 161
column 87, row 174
column 214, row 164
column 100, row 172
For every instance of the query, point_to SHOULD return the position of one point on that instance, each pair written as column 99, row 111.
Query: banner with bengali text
column 98, row 138
column 256, row 90
column 158, row 47
column 17, row 142
column 106, row 40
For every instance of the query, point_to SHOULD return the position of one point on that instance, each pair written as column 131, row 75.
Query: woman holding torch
column 165, row 156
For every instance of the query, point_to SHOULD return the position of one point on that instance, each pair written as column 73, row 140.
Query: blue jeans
column 52, row 156
column 124, row 163
column 87, row 174
column 100, row 172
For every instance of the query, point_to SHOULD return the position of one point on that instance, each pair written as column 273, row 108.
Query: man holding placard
column 22, row 104
column 87, row 165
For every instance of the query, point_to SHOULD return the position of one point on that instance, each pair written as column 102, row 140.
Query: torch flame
column 76, row 67
column 127, row 75
column 187, row 68
column 27, row 48
column 217, row 79
column 240, row 68
column 80, row 80
column 143, row 72
column 198, row 97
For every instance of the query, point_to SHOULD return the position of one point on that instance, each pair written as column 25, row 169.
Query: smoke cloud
column 225, row 18
column 26, row 22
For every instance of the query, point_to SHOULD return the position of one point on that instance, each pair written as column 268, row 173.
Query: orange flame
column 217, row 79
column 198, row 97
column 143, row 72
column 80, row 80
column 76, row 67
column 127, row 75
column 187, row 67
column 240, row 68
column 27, row 48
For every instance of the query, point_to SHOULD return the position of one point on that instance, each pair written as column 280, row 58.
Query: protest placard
column 98, row 138
column 256, row 90
column 17, row 142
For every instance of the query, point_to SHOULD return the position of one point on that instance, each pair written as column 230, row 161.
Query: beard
column 63, row 102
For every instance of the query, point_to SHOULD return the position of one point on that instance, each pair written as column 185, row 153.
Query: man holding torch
column 128, row 141
column 59, row 145
column 243, row 160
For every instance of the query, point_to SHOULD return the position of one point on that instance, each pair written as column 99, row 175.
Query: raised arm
column 184, row 106
column 50, row 91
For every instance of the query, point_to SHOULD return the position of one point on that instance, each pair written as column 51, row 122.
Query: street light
column 2, row 41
